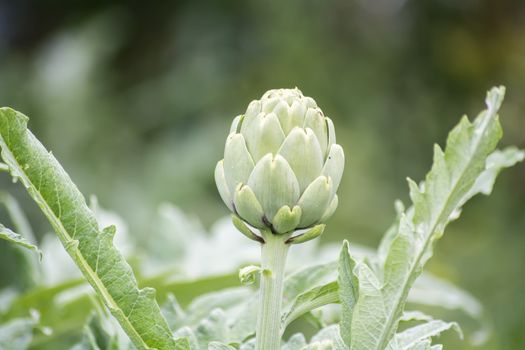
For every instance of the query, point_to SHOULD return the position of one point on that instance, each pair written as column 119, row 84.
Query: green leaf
column 296, row 342
column 17, row 334
column 90, row 247
column 449, row 184
column 331, row 334
column 202, row 306
column 15, row 238
column 295, row 284
column 212, row 328
column 219, row 346
column 96, row 337
column 415, row 335
column 348, row 290
column 307, row 278
column 310, row 300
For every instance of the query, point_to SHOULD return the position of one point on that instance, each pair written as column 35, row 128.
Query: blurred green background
column 135, row 100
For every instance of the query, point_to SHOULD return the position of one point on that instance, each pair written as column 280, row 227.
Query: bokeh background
column 135, row 100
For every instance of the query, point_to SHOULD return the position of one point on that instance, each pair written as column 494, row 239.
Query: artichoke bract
column 281, row 166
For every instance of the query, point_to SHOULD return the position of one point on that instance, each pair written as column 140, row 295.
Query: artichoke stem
column 273, row 260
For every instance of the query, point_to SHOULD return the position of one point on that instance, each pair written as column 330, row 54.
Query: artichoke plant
column 281, row 166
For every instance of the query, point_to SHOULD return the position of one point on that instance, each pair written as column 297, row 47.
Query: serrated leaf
column 17, row 239
column 413, row 336
column 90, row 247
column 436, row 202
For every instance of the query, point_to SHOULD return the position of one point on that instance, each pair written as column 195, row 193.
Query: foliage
column 376, row 290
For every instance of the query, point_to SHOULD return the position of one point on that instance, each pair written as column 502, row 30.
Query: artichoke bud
column 281, row 166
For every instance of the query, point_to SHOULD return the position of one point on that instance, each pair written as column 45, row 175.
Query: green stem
column 273, row 259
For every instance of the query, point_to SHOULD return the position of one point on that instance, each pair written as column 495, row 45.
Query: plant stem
column 273, row 260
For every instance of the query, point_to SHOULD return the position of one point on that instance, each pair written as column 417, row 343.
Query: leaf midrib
column 66, row 239
column 390, row 322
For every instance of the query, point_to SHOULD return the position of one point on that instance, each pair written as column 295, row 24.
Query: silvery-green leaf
column 222, row 185
column 248, row 206
column 302, row 151
column 97, row 336
column 238, row 163
column 224, row 299
column 17, row 334
column 415, row 316
column 310, row 300
column 296, row 342
column 412, row 336
column 90, row 247
column 242, row 325
column 274, row 184
column 15, row 238
column 263, row 135
column 497, row 161
column 315, row 200
column 331, row 333
column 307, row 278
column 219, row 346
column 296, row 283
column 314, row 120
column 320, row 345
column 212, row 328
column 446, row 187
column 286, row 219
column 348, row 291
column 422, row 345
column 249, row 345
column 331, row 209
column 334, row 165
column 189, row 334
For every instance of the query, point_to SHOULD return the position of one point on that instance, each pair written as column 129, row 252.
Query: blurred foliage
column 135, row 101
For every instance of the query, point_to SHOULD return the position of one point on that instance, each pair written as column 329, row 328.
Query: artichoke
column 281, row 166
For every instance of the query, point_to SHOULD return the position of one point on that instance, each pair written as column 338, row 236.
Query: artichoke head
column 281, row 166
